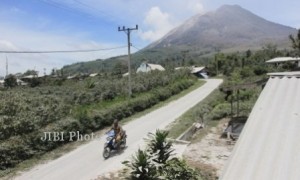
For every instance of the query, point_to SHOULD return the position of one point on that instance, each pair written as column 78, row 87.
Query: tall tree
column 10, row 81
column 296, row 42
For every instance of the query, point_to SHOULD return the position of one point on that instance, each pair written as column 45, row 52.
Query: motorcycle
column 110, row 144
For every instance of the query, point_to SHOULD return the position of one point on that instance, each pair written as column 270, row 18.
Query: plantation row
column 26, row 114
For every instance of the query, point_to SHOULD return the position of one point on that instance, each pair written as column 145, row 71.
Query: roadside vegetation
column 157, row 161
column 84, row 106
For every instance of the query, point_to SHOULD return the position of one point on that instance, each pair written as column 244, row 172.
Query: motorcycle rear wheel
column 123, row 144
column 106, row 152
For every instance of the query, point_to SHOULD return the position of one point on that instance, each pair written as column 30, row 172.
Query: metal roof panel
column 269, row 146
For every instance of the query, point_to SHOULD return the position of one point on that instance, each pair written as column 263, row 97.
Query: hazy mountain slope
column 228, row 27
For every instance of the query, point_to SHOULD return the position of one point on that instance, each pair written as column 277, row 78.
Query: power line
column 62, row 51
column 94, row 9
column 136, row 47
column 77, row 5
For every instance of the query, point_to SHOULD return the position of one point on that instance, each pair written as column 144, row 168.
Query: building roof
column 292, row 73
column 269, row 146
column 194, row 69
column 156, row 67
column 93, row 75
column 282, row 59
column 197, row 69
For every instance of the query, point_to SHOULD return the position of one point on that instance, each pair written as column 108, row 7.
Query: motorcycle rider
column 119, row 132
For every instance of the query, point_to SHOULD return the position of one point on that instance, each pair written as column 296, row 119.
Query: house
column 200, row 72
column 269, row 146
column 2, row 83
column 93, row 75
column 146, row 67
column 284, row 60
column 21, row 83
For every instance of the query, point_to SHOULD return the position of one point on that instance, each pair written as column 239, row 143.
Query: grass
column 187, row 119
column 62, row 150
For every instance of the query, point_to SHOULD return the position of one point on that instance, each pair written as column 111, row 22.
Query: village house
column 146, row 67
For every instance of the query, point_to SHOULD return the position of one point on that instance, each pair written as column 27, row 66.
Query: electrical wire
column 62, row 51
column 135, row 47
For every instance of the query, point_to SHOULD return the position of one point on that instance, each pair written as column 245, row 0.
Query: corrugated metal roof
column 282, row 59
column 269, row 146
column 292, row 73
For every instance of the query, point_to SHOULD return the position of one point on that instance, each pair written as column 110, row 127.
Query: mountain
column 228, row 28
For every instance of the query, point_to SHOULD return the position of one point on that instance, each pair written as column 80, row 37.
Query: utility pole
column 217, row 68
column 128, row 31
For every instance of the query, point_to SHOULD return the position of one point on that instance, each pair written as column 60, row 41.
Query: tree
column 141, row 167
column 296, row 42
column 10, row 81
column 154, row 163
column 270, row 50
column 178, row 169
column 119, row 69
column 31, row 72
column 159, row 146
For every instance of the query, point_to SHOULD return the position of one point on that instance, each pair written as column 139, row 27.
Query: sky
column 45, row 25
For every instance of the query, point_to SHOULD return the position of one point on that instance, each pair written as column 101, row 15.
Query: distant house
column 279, row 60
column 200, row 72
column 72, row 77
column 125, row 74
column 2, row 83
column 146, row 67
column 21, row 83
column 93, row 75
column 29, row 77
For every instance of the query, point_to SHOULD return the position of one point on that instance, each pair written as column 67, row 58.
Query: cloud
column 195, row 6
column 156, row 18
column 26, row 29
column 17, row 39
column 158, row 24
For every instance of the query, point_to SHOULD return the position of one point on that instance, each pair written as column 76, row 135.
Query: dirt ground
column 210, row 154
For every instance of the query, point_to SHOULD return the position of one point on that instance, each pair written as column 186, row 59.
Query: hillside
column 228, row 29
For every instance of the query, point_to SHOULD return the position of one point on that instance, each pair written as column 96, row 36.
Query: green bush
column 155, row 162
column 220, row 111
column 178, row 169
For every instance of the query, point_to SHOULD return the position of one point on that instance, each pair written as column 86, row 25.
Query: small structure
column 125, row 74
column 21, row 83
column 200, row 72
column 284, row 59
column 146, row 67
column 235, row 127
column 93, row 75
column 2, row 83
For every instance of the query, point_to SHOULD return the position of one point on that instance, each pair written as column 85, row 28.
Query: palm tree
column 141, row 167
column 296, row 42
column 159, row 147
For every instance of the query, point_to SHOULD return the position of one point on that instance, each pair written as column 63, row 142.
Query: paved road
column 86, row 162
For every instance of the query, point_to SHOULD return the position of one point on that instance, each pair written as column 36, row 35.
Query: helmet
column 116, row 122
